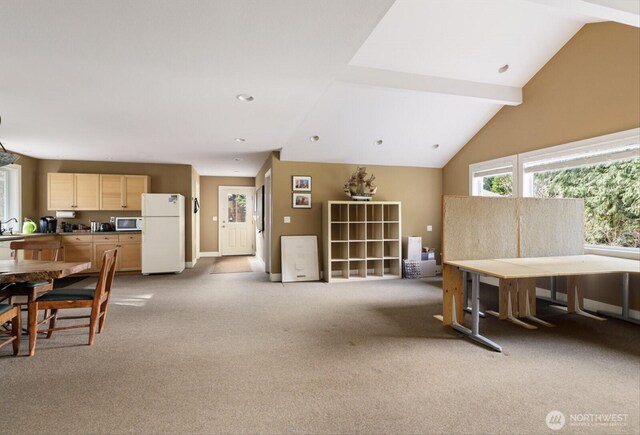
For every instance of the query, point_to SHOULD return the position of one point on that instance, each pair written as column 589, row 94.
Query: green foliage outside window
column 611, row 195
column 500, row 184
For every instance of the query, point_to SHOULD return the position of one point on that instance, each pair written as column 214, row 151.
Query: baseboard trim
column 275, row 277
column 209, row 254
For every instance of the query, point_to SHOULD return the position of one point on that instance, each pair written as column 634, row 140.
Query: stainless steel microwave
column 128, row 224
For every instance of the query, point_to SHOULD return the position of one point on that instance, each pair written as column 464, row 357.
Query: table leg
column 625, row 303
column 452, row 289
column 465, row 294
column 509, row 294
column 474, row 333
column 574, row 298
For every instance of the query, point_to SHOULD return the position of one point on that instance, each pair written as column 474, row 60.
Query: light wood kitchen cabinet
column 103, row 243
column 73, row 191
column 78, row 248
column 122, row 192
column 130, row 253
column 90, row 247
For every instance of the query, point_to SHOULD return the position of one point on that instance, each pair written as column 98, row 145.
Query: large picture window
column 10, row 195
column 604, row 171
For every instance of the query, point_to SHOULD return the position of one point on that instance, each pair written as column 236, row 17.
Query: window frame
column 491, row 166
column 14, row 195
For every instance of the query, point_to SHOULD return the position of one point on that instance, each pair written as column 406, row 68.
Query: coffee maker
column 48, row 224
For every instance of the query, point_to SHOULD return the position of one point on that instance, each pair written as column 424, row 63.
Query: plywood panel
column 477, row 228
column 551, row 227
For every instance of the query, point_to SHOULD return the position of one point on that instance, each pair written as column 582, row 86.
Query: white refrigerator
column 162, row 233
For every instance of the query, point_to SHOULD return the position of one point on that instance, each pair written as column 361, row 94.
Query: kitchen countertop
column 20, row 236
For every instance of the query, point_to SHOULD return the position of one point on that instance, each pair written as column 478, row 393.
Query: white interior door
column 236, row 228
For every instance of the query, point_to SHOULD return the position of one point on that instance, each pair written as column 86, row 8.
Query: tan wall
column 209, row 203
column 164, row 179
column 29, row 205
column 260, row 177
column 419, row 190
column 590, row 88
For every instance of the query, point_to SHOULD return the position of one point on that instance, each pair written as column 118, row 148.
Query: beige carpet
column 235, row 264
column 234, row 353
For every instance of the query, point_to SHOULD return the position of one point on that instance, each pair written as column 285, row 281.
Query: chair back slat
column 33, row 249
column 105, row 279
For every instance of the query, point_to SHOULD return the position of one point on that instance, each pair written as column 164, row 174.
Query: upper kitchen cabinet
column 73, row 191
column 122, row 192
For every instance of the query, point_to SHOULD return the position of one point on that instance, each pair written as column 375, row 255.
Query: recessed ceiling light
column 435, row 146
column 237, row 159
column 503, row 68
column 314, row 138
column 240, row 139
column 378, row 142
column 245, row 97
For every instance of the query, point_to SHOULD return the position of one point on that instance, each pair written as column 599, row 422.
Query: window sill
column 612, row 251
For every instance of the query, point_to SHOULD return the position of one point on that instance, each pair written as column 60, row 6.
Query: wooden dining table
column 15, row 271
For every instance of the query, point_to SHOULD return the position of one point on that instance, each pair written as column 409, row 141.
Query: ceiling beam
column 620, row 11
column 505, row 95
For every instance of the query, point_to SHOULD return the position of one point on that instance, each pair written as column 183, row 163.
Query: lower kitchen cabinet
column 101, row 244
column 78, row 248
column 130, row 253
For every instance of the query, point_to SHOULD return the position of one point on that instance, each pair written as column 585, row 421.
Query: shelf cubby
column 375, row 250
column 357, row 250
column 374, row 231
column 391, row 250
column 362, row 240
column 340, row 213
column 357, row 269
column 357, row 231
column 391, row 231
column 391, row 212
column 391, row 268
column 357, row 213
column 374, row 212
column 375, row 268
column 340, row 231
column 339, row 251
column 339, row 269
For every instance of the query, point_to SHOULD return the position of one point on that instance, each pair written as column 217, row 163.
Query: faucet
column 2, row 229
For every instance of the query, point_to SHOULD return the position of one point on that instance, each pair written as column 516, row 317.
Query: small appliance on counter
column 127, row 223
column 48, row 224
column 105, row 226
column 29, row 226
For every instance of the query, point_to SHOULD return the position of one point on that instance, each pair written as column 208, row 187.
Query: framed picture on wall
column 301, row 183
column 301, row 200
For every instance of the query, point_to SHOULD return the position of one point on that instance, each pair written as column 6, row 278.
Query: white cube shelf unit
column 362, row 240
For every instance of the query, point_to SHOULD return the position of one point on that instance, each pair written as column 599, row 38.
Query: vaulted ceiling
column 378, row 82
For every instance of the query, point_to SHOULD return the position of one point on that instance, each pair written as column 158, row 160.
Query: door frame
column 267, row 222
column 250, row 214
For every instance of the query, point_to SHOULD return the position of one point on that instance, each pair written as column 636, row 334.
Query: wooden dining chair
column 33, row 250
column 11, row 313
column 97, row 300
